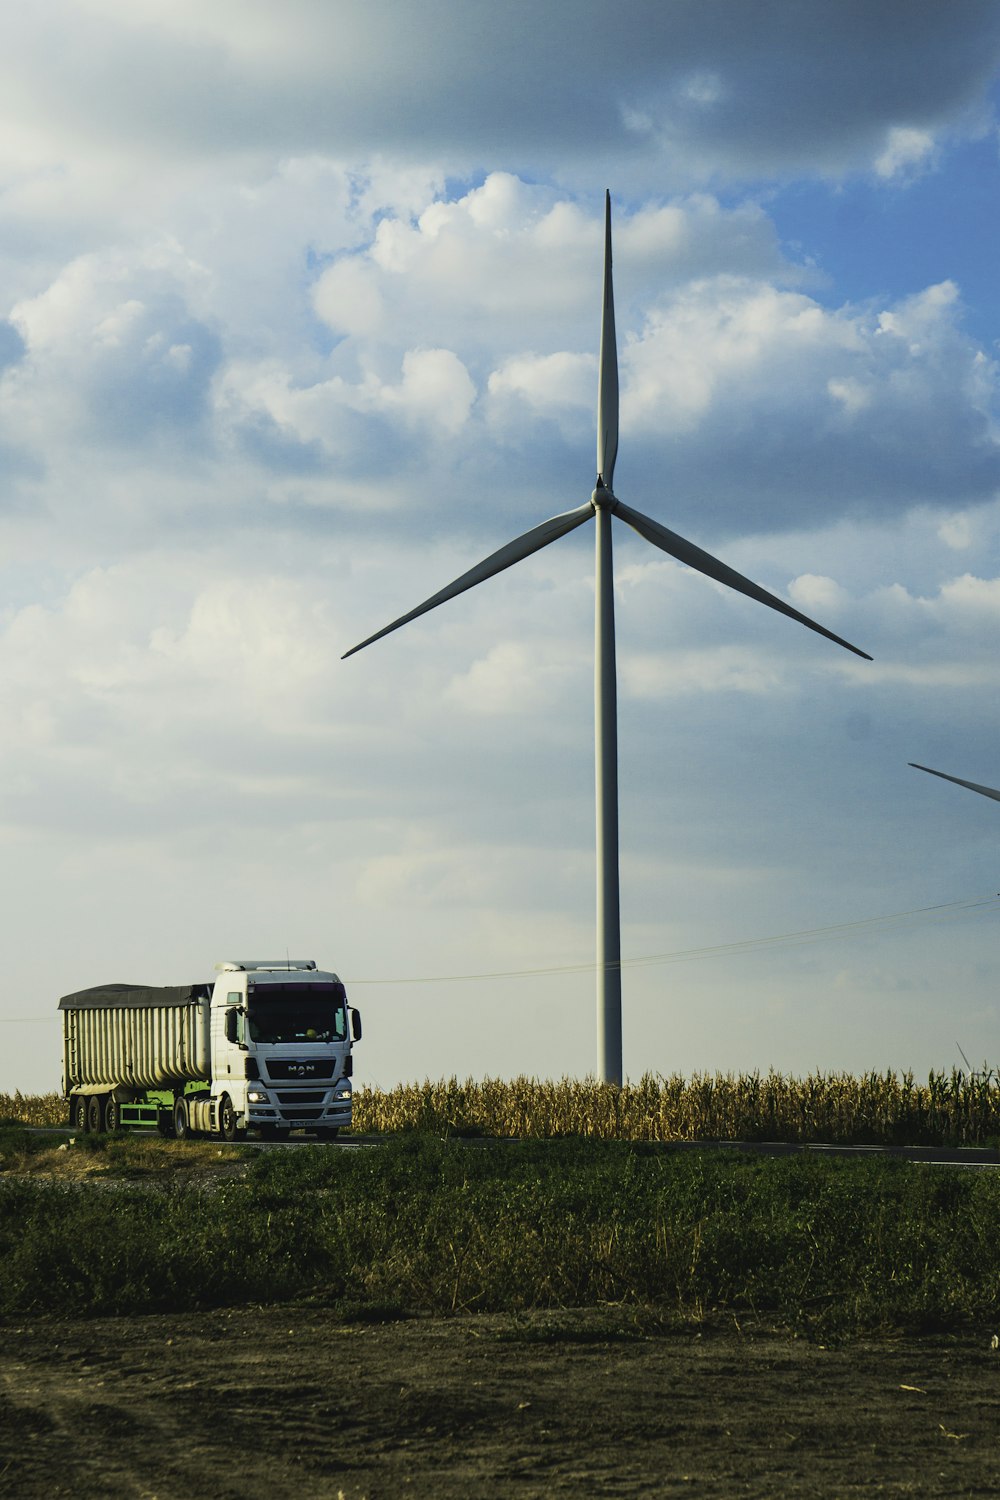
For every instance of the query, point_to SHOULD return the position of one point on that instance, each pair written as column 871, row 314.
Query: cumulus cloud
column 514, row 678
column 358, row 424
column 858, row 407
column 505, row 252
column 812, row 592
column 957, row 532
column 153, row 688
column 515, row 256
column 473, row 324
column 763, row 404
column 112, row 351
column 470, row 320
column 905, row 151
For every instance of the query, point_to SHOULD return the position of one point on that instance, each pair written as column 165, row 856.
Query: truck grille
column 319, row 1068
column 303, row 1098
column 301, row 1114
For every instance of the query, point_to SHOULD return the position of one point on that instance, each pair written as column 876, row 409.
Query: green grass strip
column 827, row 1247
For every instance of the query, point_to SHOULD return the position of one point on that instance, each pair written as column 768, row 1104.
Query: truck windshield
column 299, row 1013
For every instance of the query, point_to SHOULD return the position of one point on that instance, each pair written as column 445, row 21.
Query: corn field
column 33, row 1109
column 956, row 1108
column 953, row 1108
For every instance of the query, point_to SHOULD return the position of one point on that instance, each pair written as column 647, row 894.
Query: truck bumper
column 285, row 1116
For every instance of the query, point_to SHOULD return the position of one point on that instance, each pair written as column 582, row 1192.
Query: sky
column 300, row 317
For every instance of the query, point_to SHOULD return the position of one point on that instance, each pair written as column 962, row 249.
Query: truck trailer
column 266, row 1047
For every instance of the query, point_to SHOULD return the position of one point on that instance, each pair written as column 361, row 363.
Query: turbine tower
column 973, row 786
column 602, row 505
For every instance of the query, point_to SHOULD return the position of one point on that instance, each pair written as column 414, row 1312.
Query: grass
column 128, row 1157
column 826, row 1247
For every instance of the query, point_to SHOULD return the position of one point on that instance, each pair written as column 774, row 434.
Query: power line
column 946, row 911
column 943, row 912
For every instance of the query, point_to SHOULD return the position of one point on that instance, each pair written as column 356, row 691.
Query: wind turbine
column 985, row 791
column 602, row 505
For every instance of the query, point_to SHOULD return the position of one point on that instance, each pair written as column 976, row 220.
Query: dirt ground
column 289, row 1402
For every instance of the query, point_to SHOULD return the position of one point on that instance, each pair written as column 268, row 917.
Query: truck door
column 234, row 1031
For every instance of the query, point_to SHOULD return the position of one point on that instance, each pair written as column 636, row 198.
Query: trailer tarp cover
column 134, row 996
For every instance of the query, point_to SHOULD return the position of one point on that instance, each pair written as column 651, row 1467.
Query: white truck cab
column 281, row 1042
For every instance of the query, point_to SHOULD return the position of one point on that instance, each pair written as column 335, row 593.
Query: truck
column 267, row 1048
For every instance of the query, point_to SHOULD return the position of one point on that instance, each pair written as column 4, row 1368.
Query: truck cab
column 281, row 1037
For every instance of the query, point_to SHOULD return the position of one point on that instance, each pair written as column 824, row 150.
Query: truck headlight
column 343, row 1093
column 257, row 1096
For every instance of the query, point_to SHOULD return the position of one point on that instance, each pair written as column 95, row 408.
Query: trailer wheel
column 181, row 1130
column 78, row 1114
column 95, row 1114
column 227, row 1119
column 112, row 1115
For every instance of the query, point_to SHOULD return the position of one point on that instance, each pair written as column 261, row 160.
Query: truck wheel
column 78, row 1114
column 112, row 1115
column 227, row 1119
column 95, row 1114
column 181, row 1130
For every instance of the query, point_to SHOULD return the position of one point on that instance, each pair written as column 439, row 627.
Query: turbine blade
column 686, row 552
column 607, row 378
column 985, row 791
column 505, row 557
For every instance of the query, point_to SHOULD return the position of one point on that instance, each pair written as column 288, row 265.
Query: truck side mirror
column 356, row 1025
column 231, row 1025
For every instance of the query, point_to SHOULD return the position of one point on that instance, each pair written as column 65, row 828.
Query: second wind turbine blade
column 505, row 557
column 694, row 557
column 607, row 375
column 973, row 786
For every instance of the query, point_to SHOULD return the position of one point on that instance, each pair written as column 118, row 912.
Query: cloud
column 811, row 592
column 157, row 697
column 677, row 674
column 718, row 88
column 366, row 345
column 516, row 256
column 367, row 427
column 469, row 329
column 820, row 411
column 764, row 405
column 906, row 150
column 514, row 678
column 530, row 388
column 112, row 352
column 470, row 255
